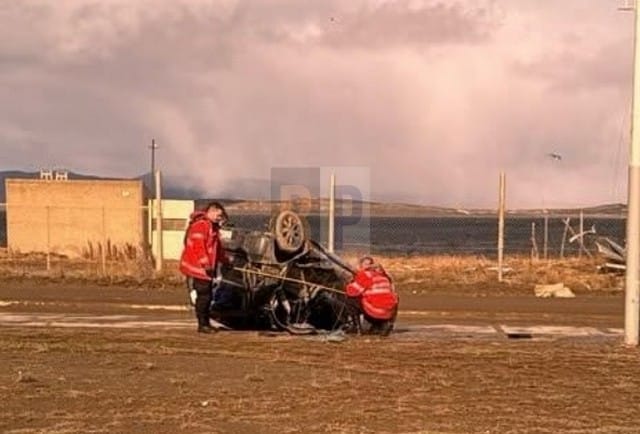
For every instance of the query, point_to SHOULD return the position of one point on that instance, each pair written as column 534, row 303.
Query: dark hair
column 218, row 206
column 366, row 258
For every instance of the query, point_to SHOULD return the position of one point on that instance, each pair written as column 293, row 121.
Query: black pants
column 203, row 300
column 377, row 326
column 353, row 306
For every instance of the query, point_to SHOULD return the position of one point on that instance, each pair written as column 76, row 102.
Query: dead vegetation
column 478, row 274
column 467, row 274
column 117, row 268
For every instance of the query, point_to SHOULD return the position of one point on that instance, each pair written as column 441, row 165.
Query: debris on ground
column 25, row 377
column 505, row 269
column 557, row 290
column 335, row 336
column 613, row 253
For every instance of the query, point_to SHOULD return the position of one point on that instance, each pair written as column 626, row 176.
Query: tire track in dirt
column 405, row 332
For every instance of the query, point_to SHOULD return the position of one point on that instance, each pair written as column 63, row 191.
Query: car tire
column 290, row 231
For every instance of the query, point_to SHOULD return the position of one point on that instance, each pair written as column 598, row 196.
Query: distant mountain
column 386, row 209
column 342, row 207
column 251, row 195
column 606, row 210
column 247, row 188
column 172, row 189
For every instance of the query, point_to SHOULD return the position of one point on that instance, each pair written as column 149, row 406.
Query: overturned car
column 281, row 279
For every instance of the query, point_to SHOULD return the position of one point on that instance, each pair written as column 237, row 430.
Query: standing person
column 372, row 293
column 201, row 256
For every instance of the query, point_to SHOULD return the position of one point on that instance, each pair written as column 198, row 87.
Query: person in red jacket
column 201, row 257
column 373, row 293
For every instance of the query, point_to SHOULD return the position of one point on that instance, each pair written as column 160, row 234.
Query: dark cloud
column 396, row 24
column 605, row 66
column 435, row 97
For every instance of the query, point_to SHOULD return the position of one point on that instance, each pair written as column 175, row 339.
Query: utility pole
column 632, row 274
column 159, row 231
column 153, row 187
column 501, row 208
column 553, row 157
column 332, row 213
column 153, row 148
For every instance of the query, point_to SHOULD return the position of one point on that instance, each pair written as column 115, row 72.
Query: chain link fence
column 106, row 240
column 465, row 235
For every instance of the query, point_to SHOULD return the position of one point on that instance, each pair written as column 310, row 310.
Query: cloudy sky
column 434, row 96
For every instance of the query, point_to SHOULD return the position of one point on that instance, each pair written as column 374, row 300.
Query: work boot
column 206, row 329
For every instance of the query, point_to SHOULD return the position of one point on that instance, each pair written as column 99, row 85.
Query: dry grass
column 117, row 269
column 478, row 274
column 415, row 274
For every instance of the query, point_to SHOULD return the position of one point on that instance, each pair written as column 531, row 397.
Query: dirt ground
column 174, row 380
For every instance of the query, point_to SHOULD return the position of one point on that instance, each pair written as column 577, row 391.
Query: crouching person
column 373, row 294
column 201, row 257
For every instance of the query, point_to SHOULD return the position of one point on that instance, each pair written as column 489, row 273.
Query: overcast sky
column 435, row 97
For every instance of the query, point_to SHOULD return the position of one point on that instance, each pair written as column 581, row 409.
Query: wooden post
column 566, row 222
column 546, row 236
column 632, row 270
column 103, row 251
column 332, row 213
column 159, row 249
column 48, row 239
column 501, row 208
column 534, row 243
column 150, row 211
column 581, row 240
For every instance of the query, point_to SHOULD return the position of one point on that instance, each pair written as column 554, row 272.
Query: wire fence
column 103, row 240
column 466, row 235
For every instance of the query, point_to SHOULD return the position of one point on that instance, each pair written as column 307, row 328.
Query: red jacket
column 378, row 297
column 202, row 247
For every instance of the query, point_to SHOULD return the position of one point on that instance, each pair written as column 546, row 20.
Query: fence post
column 501, row 207
column 581, row 234
column 566, row 222
column 103, row 256
column 149, row 239
column 534, row 243
column 48, row 239
column 159, row 249
column 546, row 235
column 332, row 213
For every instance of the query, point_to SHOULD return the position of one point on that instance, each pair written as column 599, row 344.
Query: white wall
column 175, row 216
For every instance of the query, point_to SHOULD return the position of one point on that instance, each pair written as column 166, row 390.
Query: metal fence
column 465, row 235
column 101, row 237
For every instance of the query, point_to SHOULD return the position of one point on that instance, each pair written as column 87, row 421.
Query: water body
column 432, row 235
column 450, row 235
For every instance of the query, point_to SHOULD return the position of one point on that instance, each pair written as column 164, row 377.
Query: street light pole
column 632, row 274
